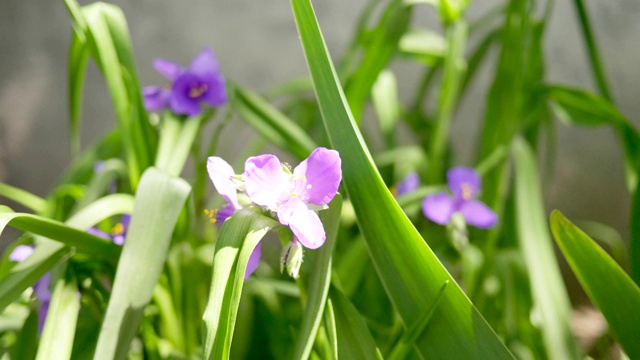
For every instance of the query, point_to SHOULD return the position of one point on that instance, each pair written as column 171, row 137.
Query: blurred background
column 257, row 45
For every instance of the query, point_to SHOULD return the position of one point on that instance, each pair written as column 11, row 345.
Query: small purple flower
column 408, row 184
column 314, row 181
column 201, row 83
column 465, row 185
column 40, row 288
column 118, row 232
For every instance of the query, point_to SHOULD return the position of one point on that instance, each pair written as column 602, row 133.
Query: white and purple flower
column 201, row 83
column 290, row 195
column 465, row 185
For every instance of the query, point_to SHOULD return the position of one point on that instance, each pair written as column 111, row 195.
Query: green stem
column 453, row 71
column 594, row 55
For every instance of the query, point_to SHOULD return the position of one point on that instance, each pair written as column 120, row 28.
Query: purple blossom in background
column 40, row 288
column 465, row 185
column 409, row 184
column 254, row 260
column 118, row 232
column 314, row 181
column 201, row 83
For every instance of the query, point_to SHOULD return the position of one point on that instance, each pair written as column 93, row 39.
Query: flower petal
column 265, row 181
column 438, row 208
column 478, row 214
column 180, row 101
column 156, row 98
column 99, row 233
column 306, row 225
column 254, row 260
column 464, row 182
column 205, row 63
column 408, row 184
column 323, row 173
column 220, row 173
column 168, row 69
column 216, row 94
column 21, row 252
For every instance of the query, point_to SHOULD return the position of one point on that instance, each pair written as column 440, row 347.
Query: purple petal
column 21, row 252
column 305, row 224
column 408, row 184
column 205, row 63
column 41, row 288
column 464, row 182
column 254, row 260
column 478, row 214
column 42, row 314
column 438, row 208
column 118, row 239
column 182, row 100
column 168, row 69
column 98, row 233
column 265, row 181
column 125, row 220
column 216, row 94
column 220, row 173
column 98, row 167
column 156, row 98
column 223, row 214
column 322, row 170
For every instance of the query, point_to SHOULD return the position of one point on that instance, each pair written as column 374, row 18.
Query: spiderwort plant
column 40, row 288
column 291, row 196
column 201, row 83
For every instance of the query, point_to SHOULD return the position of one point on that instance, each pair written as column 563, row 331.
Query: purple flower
column 465, row 185
column 408, row 184
column 118, row 232
column 254, row 260
column 314, row 181
column 201, row 83
column 40, row 288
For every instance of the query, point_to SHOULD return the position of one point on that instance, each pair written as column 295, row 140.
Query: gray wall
column 258, row 46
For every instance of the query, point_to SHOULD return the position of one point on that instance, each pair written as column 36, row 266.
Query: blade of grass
column 159, row 200
column 24, row 198
column 407, row 267
column 608, row 286
column 319, row 280
column 536, row 247
column 238, row 237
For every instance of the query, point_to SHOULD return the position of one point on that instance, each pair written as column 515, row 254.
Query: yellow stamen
column 197, row 91
column 118, row 229
column 467, row 191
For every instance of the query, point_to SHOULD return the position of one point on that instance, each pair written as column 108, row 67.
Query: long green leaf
column 158, row 203
column 59, row 330
column 353, row 336
column 238, row 237
column 271, row 123
column 55, row 230
column 536, row 247
column 409, row 270
column 607, row 285
column 23, row 198
column 319, row 280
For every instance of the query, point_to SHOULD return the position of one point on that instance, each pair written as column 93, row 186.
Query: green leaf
column 82, row 241
column 49, row 253
column 579, row 107
column 78, row 56
column 57, row 337
column 536, row 247
column 387, row 105
column 407, row 267
column 319, row 280
column 103, row 29
column 23, row 198
column 159, row 201
column 353, row 336
column 608, row 286
column 382, row 46
column 271, row 123
column 238, row 237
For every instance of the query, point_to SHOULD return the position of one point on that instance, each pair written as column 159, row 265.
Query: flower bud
column 292, row 258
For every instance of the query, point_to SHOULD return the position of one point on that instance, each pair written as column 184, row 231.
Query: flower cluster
column 270, row 184
column 201, row 83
